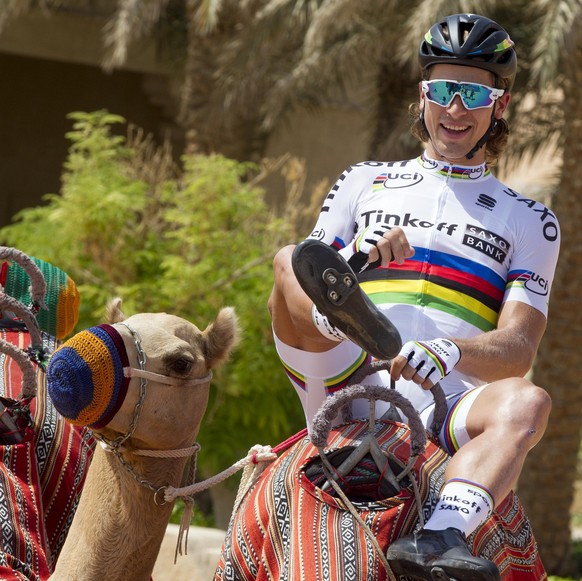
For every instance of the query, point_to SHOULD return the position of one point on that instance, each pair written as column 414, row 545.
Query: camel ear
column 220, row 337
column 113, row 312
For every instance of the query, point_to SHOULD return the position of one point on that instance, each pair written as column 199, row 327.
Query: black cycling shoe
column 438, row 556
column 329, row 281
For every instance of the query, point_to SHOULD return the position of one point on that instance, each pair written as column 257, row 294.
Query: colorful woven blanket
column 40, row 479
column 287, row 528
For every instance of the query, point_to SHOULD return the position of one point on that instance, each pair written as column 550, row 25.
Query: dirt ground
column 198, row 564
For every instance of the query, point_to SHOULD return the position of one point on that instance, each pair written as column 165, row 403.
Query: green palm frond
column 301, row 11
column 248, row 55
column 343, row 45
column 206, row 14
column 559, row 23
column 132, row 20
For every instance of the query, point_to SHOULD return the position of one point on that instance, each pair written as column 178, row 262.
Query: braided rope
column 27, row 315
column 441, row 407
column 327, row 412
column 257, row 455
column 37, row 282
column 179, row 453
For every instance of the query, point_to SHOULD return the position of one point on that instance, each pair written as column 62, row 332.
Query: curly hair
column 494, row 145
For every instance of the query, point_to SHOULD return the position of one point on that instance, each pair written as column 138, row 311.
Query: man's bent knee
column 514, row 404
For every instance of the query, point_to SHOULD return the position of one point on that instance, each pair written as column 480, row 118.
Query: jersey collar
column 470, row 172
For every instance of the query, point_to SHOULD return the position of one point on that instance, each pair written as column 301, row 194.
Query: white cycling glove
column 357, row 252
column 432, row 359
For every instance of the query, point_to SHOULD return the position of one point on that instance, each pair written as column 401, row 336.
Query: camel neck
column 118, row 528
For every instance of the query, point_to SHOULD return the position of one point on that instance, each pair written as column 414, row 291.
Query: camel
column 146, row 435
column 122, row 516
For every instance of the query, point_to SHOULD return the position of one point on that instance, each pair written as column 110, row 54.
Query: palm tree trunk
column 546, row 486
column 213, row 126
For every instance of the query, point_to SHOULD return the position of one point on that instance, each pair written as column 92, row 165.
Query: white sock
column 462, row 505
column 325, row 327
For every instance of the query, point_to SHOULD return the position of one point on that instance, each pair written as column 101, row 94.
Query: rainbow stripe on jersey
column 452, row 284
column 455, row 171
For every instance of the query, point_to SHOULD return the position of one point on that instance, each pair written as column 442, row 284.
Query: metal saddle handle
column 369, row 445
column 328, row 411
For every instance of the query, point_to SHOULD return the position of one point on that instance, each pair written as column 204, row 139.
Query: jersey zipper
column 427, row 267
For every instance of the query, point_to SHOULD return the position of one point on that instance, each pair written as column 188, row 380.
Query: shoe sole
column 328, row 280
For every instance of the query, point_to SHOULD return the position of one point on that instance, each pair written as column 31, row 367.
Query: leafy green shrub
column 129, row 223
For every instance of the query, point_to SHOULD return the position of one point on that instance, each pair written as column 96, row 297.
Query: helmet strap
column 485, row 136
column 421, row 116
column 479, row 143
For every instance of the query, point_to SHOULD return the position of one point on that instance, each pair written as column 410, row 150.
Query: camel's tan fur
column 118, row 528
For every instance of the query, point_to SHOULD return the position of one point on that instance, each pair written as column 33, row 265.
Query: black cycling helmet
column 471, row 40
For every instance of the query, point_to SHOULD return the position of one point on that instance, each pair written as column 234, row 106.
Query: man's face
column 454, row 129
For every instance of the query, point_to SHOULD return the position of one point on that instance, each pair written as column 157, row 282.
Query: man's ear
column 501, row 105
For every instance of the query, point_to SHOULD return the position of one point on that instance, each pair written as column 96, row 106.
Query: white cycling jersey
column 478, row 244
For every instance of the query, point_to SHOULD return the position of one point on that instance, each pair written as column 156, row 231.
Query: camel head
column 143, row 379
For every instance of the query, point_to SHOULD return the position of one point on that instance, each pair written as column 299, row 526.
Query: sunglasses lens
column 441, row 92
column 474, row 96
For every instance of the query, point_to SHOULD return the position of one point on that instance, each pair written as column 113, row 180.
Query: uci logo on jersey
column 533, row 283
column 318, row 234
column 393, row 180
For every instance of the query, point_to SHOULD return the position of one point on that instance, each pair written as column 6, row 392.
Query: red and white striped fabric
column 40, row 479
column 289, row 529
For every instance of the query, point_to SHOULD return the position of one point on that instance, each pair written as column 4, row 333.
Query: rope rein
column 259, row 456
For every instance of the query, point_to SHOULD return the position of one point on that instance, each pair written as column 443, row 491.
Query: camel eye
column 182, row 365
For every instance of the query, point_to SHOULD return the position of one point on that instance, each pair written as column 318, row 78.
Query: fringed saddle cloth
column 288, row 528
column 41, row 478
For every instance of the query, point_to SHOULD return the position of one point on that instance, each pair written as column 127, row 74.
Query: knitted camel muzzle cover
column 85, row 377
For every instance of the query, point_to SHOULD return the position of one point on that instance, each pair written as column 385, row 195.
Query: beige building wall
column 35, row 98
column 328, row 140
column 51, row 66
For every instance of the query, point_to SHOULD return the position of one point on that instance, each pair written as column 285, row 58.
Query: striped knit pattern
column 457, row 286
column 85, row 376
column 62, row 296
column 40, row 479
column 288, row 529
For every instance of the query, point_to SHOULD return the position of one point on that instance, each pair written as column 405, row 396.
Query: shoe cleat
column 329, row 281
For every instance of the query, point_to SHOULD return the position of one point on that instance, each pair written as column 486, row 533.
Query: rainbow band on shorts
column 454, row 432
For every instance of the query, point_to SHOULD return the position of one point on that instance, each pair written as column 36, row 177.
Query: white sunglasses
column 473, row 95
